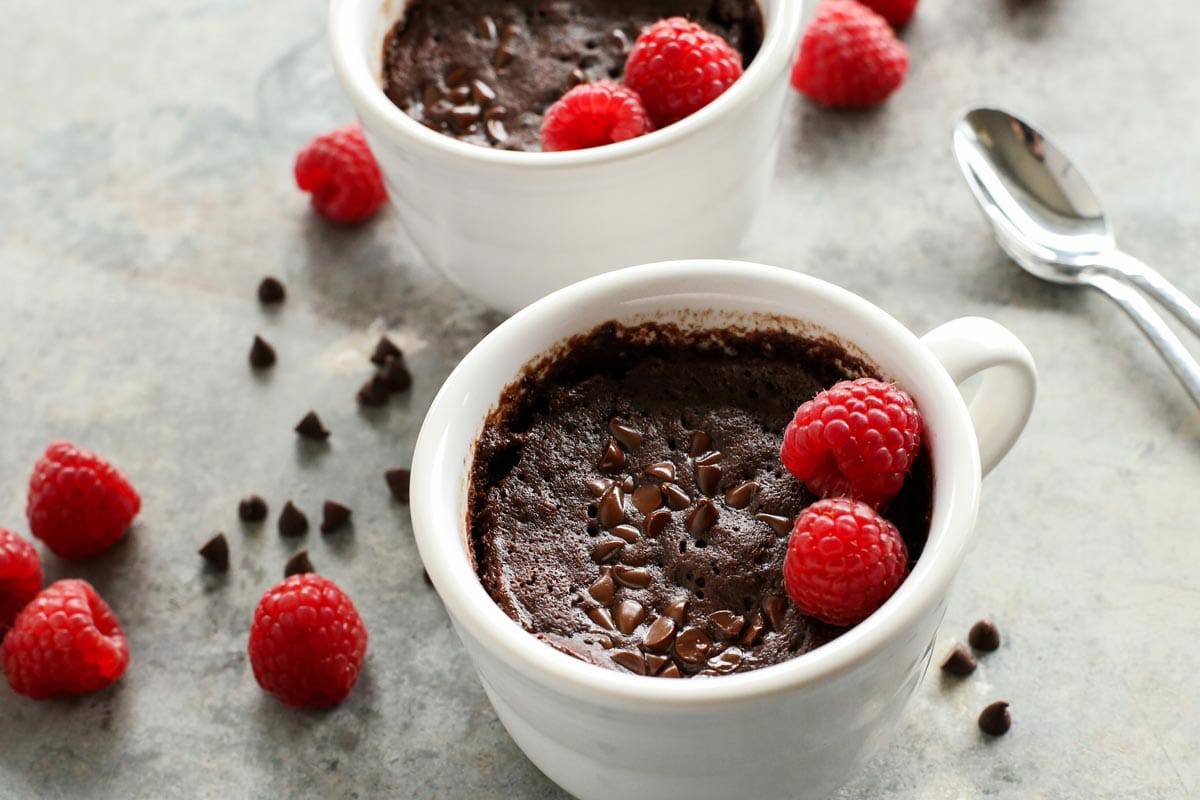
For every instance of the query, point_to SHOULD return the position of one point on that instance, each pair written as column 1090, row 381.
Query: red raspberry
column 856, row 439
column 20, row 575
column 79, row 504
column 843, row 561
column 307, row 642
column 849, row 57
column 339, row 170
column 593, row 114
column 896, row 12
column 678, row 68
column 66, row 641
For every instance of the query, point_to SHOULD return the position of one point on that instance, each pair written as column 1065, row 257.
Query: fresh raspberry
column 20, row 575
column 593, row 114
column 856, row 439
column 896, row 12
column 849, row 58
column 307, row 642
column 678, row 68
column 843, row 561
column 79, row 504
column 66, row 641
column 339, row 170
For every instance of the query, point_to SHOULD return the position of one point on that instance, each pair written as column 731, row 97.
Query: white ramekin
column 511, row 227
column 792, row 730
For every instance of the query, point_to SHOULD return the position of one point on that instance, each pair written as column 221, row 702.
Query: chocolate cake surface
column 628, row 506
column 485, row 71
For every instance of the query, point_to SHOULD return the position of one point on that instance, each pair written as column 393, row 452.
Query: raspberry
column 593, row 114
column 66, row 641
column 678, row 68
column 843, row 561
column 339, row 170
column 857, row 438
column 896, row 12
column 20, row 575
column 849, row 57
column 79, row 504
column 307, row 642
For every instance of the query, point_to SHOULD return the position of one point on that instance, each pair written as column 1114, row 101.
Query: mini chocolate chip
column 460, row 94
column 457, row 75
column 271, row 291
column 622, row 39
column 959, row 662
column 298, row 564
column 601, row 617
column 611, row 511
column 677, row 498
column 627, row 484
column 702, row 517
column 658, row 637
column 431, row 95
column 577, row 77
column 216, row 552
column 626, row 532
column 396, row 376
column 487, row 27
column 262, row 355
column 373, row 393
column 655, row 663
column 464, row 116
column 502, row 57
column 781, row 525
column 605, row 550
column 496, row 130
column 633, row 577
column 775, row 609
column 692, row 645
column 627, row 436
column 603, row 590
column 726, row 662
column 677, row 610
column 726, row 623
column 663, row 471
column 711, row 457
column 629, row 660
column 647, row 498
column 509, row 31
column 656, row 522
column 984, row 636
column 698, row 443
column 292, row 521
column 995, row 720
column 398, row 481
column 385, row 351
column 670, row 671
column 495, row 112
column 708, row 478
column 753, row 630
column 598, row 486
column 333, row 516
column 628, row 615
column 311, row 428
column 741, row 495
column 613, row 457
column 252, row 509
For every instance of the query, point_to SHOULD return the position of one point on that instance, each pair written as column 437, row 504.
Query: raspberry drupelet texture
column 342, row 175
column 856, row 439
column 678, row 68
column 66, row 641
column 896, row 12
column 594, row 114
column 307, row 642
column 20, row 576
column 79, row 504
column 849, row 57
column 843, row 561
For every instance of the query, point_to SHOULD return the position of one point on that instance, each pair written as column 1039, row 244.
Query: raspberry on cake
column 849, row 57
column 340, row 172
column 592, row 115
column 896, row 12
column 20, row 575
column 678, row 68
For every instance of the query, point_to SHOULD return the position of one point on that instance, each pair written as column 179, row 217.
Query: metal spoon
column 1048, row 220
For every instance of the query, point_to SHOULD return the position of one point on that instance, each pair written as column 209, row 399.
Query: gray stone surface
column 145, row 166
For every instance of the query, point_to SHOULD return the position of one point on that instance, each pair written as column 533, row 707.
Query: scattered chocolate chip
column 727, row 624
column 396, row 376
column 629, row 660
column 495, row 130
column 702, row 517
column 670, row 671
column 487, row 28
column 262, row 355
column 502, row 57
column 711, row 457
column 959, row 662
column 726, row 662
column 656, row 522
column 457, row 75
column 385, row 351
column 611, row 511
column 647, row 498
column 708, row 479
column 627, row 484
column 398, row 481
column 677, row 610
column 311, row 428
column 333, row 516
column 781, row 525
column 216, row 552
column 677, row 498
column 741, row 495
column 613, row 457
column 658, row 637
column 627, row 436
column 601, row 617
column 995, row 720
column 663, row 471
column 984, row 636
column 373, row 393
column 252, row 509
column 626, row 532
column 622, row 39
column 495, row 112
column 628, row 615
column 577, row 77
column 292, row 521
column 598, row 486
column 605, row 550
column 775, row 609
column 633, row 577
column 692, row 645
column 298, row 564
column 603, row 590
column 655, row 663
column 698, row 443
column 271, row 291
column 753, row 630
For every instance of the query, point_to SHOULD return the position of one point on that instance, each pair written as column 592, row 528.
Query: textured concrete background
column 145, row 187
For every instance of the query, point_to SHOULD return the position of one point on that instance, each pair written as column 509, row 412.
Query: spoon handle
column 1164, row 340
column 1152, row 283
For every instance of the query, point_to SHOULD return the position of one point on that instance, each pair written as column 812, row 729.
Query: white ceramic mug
column 510, row 227
column 792, row 730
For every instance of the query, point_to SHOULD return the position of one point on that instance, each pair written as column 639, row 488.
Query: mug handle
column 971, row 345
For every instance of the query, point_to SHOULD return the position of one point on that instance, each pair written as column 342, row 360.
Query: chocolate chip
column 670, row 671
column 613, row 458
column 457, row 75
column 603, row 590
column 605, row 550
column 729, row 660
column 995, row 719
column 262, row 355
column 496, row 131
column 727, row 624
column 633, row 577
column 611, row 511
column 663, row 471
column 658, row 637
column 692, row 645
column 398, row 481
column 708, row 479
column 959, row 662
column 711, row 457
column 431, row 95
column 677, row 498
column 775, row 609
column 487, row 27
column 601, row 617
column 627, row 484
column 385, row 351
column 655, row 663
column 598, row 486
column 577, row 77
column 622, row 39
column 298, row 564
column 656, row 522
column 781, row 525
column 373, row 393
column 460, row 94
column 216, row 552
column 647, row 498
column 701, row 518
column 984, row 636
column 627, row 436
column 741, row 495
column 677, row 610
column 252, row 509
column 464, row 116
column 311, row 428
column 502, row 57
column 698, row 443
column 629, row 660
column 271, row 291
column 333, row 516
column 395, row 375
column 495, row 112
column 628, row 615
column 626, row 532
column 754, row 629
column 292, row 521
